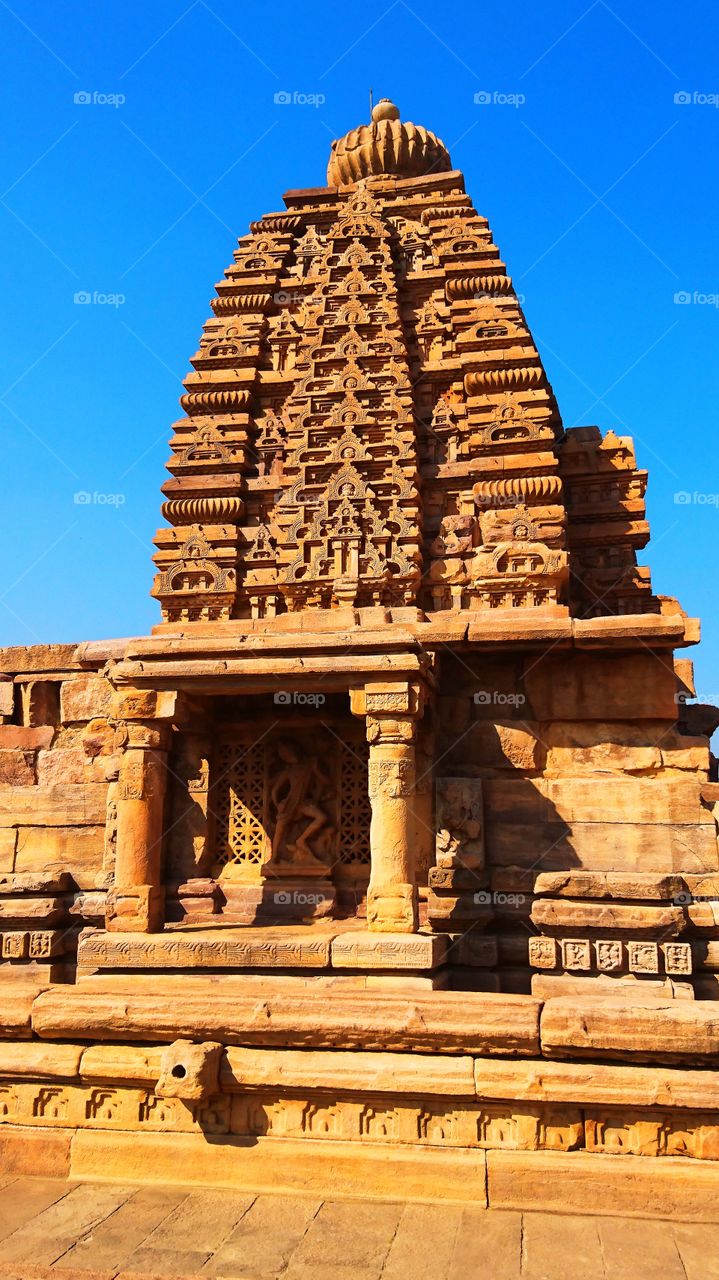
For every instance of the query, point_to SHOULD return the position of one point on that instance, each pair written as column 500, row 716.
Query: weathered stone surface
column 8, row 845
column 39, row 1061
column 460, row 1023
column 35, row 882
column 15, row 1011
column 421, row 1074
column 544, row 1080
column 61, row 766
column 64, row 806
column 85, row 697
column 674, row 1029
column 204, row 949
column 34, row 912
column 39, row 1153
column 644, row 847
column 17, row 768
column 19, row 738
column 77, row 851
column 189, row 1071
column 564, row 913
column 593, row 687
column 282, row 1164
column 584, row 1182
column 128, row 1064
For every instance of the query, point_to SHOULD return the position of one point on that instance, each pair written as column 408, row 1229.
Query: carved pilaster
column 391, row 711
column 135, row 903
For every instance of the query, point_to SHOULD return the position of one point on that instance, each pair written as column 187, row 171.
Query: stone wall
column 598, row 811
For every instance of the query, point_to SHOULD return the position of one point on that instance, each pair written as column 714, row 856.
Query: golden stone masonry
column 387, row 864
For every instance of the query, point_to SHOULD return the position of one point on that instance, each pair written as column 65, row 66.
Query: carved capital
column 388, row 698
column 389, row 730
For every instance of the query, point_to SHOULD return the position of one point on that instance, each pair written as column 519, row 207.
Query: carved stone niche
column 292, row 815
column 459, row 823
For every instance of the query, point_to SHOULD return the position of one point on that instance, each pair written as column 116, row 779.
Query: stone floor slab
column 488, row 1242
column 43, row 1239
column 556, row 1248
column 114, row 1241
column 24, row 1198
column 423, row 1244
column 265, row 1238
column 634, row 1247
column 345, row 1238
column 698, row 1245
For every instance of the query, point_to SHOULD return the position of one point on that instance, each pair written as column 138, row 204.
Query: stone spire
column 369, row 422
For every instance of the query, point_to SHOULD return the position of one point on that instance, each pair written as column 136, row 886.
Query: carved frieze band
column 438, row 1123
column 611, row 956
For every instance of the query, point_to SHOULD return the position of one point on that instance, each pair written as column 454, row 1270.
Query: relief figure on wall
column 302, row 800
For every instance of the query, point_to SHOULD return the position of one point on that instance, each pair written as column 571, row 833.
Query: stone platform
column 100, row 1231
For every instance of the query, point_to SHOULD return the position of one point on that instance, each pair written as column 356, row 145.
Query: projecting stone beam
column 456, row 1023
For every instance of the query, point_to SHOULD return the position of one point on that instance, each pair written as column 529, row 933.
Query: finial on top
column 385, row 110
column 388, row 147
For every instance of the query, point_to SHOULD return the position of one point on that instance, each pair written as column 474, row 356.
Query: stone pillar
column 391, row 710
column 135, row 903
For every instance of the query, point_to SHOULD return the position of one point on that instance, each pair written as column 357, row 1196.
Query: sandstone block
column 584, row 1182
column 39, row 1061
column 77, row 851
column 17, row 768
column 666, row 1031
column 15, row 1011
column 481, row 1023
column 422, row 1074
column 8, row 845
column 126, row 1064
column 498, row 745
column 84, row 697
column 544, row 1080
column 33, row 912
column 567, row 913
column 64, row 806
column 40, row 702
column 18, row 738
column 627, row 686
column 283, row 1165
column 640, row 846
column 60, row 766
column 35, row 882
column 36, row 1153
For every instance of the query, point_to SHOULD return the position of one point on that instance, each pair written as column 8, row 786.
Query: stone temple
column 387, row 864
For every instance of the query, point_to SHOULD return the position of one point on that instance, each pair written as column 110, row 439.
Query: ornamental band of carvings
column 503, row 1126
column 611, row 956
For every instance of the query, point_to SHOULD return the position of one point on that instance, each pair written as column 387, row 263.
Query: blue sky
column 601, row 190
